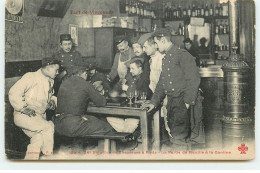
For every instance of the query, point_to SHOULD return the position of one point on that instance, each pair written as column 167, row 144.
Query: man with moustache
column 68, row 57
column 30, row 97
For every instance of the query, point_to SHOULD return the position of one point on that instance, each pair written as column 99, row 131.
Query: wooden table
column 134, row 110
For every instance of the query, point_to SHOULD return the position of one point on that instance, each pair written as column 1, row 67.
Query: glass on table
column 130, row 95
column 136, row 95
column 143, row 95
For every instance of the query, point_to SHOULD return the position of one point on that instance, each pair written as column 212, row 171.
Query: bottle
column 225, row 9
column 207, row 10
column 174, row 13
column 141, row 9
column 198, row 12
column 217, row 11
column 221, row 28
column 189, row 12
column 145, row 10
column 193, row 11
column 180, row 29
column 224, row 29
column 133, row 8
column 211, row 12
column 126, row 6
column 220, row 10
column 184, row 12
column 183, row 30
column 217, row 29
column 166, row 13
column 137, row 9
column 202, row 11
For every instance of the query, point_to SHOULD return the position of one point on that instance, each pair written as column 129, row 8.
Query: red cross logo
column 243, row 148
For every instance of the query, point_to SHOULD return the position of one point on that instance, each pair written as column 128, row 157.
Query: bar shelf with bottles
column 177, row 13
column 137, row 8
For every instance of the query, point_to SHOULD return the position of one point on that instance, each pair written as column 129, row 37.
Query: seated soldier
column 136, row 81
column 30, row 97
column 98, row 79
column 74, row 94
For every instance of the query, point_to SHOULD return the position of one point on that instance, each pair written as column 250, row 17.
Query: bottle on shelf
column 211, row 10
column 225, row 9
column 174, row 13
column 141, row 9
column 221, row 10
column 217, row 29
column 180, row 30
column 189, row 12
column 217, row 10
column 207, row 10
column 145, row 10
column 137, row 9
column 202, row 11
column 221, row 28
column 224, row 29
column 198, row 12
column 193, row 11
column 166, row 12
column 126, row 6
column 183, row 30
column 184, row 12
column 133, row 8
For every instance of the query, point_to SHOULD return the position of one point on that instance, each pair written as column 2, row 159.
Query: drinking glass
column 130, row 95
column 136, row 95
column 143, row 95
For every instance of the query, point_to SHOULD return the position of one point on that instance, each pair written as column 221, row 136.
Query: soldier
column 30, row 97
column 179, row 80
column 68, row 57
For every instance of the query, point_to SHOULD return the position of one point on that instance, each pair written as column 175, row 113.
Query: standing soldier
column 68, row 57
column 179, row 80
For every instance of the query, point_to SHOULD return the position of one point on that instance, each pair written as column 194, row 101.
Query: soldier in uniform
column 68, row 57
column 179, row 80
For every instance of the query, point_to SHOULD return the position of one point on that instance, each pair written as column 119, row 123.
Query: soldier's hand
column 148, row 106
column 29, row 112
column 108, row 78
column 51, row 105
column 187, row 105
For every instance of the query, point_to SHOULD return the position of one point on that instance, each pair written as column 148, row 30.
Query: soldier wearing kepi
column 30, row 97
column 68, row 57
column 179, row 80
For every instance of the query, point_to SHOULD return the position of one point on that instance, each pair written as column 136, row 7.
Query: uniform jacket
column 125, row 56
column 33, row 90
column 179, row 75
column 68, row 60
column 74, row 95
column 139, row 83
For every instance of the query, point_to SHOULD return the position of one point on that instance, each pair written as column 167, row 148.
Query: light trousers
column 39, row 130
column 127, row 125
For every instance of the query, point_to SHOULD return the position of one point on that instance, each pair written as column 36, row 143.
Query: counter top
column 211, row 71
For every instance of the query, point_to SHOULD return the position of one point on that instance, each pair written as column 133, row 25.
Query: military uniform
column 67, row 61
column 180, row 81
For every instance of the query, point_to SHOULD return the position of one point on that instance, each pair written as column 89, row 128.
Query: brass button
column 173, row 89
column 169, row 75
column 71, row 60
column 171, row 82
column 70, row 55
column 168, row 69
column 62, row 56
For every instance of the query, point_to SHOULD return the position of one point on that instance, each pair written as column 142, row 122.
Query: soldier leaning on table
column 180, row 81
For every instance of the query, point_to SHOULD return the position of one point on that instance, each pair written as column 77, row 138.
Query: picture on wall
column 14, row 10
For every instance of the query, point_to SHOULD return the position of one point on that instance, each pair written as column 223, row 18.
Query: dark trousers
column 178, row 120
column 77, row 126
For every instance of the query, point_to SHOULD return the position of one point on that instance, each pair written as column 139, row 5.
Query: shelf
column 205, row 17
column 177, row 35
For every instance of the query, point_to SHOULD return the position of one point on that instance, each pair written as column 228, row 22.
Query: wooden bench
column 106, row 141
